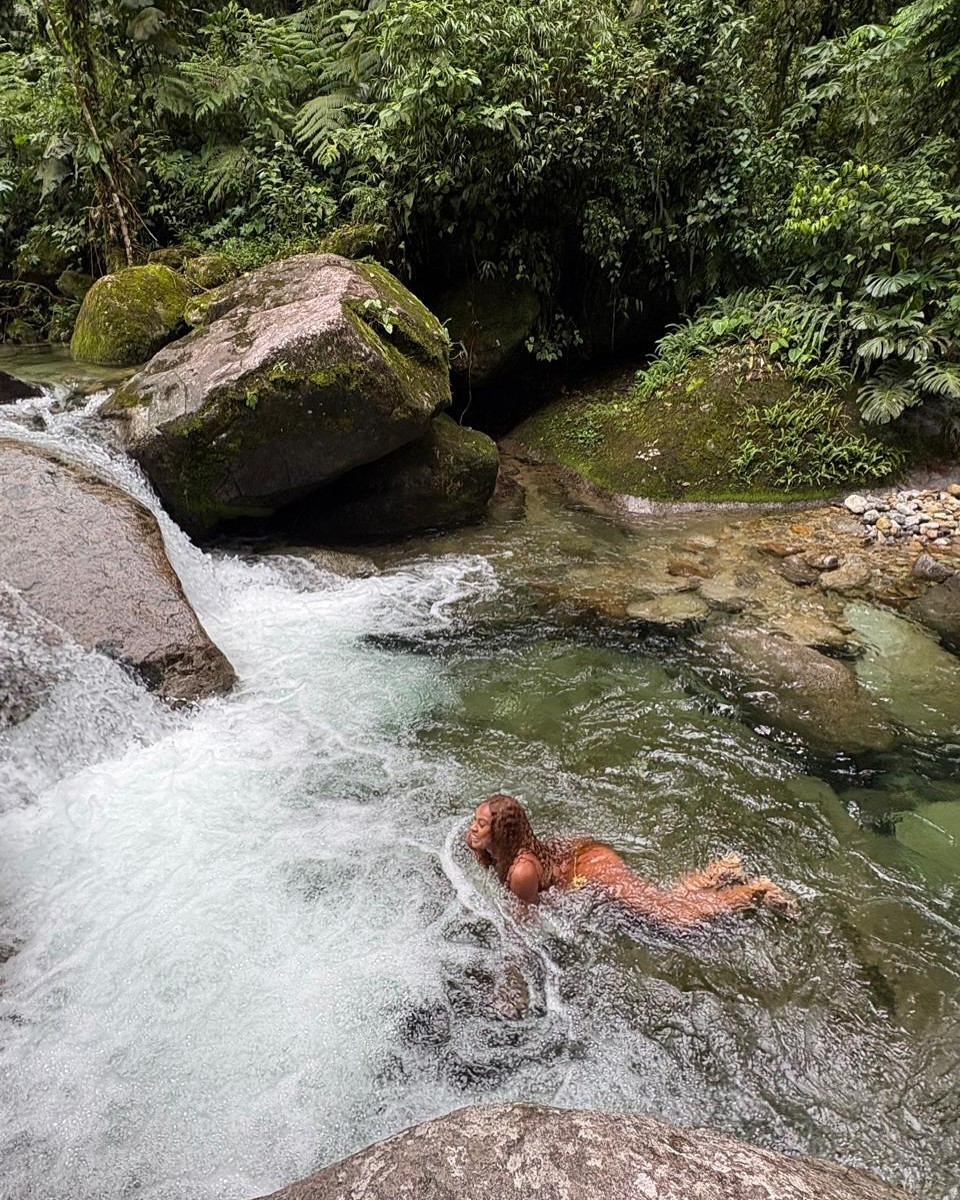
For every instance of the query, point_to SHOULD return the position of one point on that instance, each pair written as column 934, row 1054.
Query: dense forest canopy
column 793, row 166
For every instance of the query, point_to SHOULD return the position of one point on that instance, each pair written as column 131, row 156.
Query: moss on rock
column 726, row 429
column 126, row 317
column 441, row 480
column 363, row 240
column 208, row 271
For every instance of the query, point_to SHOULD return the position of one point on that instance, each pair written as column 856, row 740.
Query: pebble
column 932, row 515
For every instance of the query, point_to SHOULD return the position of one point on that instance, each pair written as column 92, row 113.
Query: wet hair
column 510, row 832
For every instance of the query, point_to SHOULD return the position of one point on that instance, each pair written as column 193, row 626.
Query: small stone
column 906, row 510
column 821, row 562
column 795, row 570
column 954, row 489
column 884, row 524
column 688, row 566
column 699, row 541
column 779, row 549
column 850, row 575
column 931, row 531
column 801, row 530
column 871, row 516
column 856, row 504
column 912, row 522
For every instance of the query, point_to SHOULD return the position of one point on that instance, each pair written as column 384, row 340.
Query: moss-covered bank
column 729, row 428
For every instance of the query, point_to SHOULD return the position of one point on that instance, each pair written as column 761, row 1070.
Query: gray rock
column 90, row 559
column 856, row 504
column 531, row 1152
column 796, row 570
column 939, row 609
column 927, row 567
column 127, row 316
column 800, row 689
column 853, row 573
column 443, row 479
column 297, row 373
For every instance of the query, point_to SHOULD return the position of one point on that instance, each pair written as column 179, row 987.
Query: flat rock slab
column 530, row 1152
column 90, row 559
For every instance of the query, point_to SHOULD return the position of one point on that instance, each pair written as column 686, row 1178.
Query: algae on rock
column 127, row 316
column 297, row 373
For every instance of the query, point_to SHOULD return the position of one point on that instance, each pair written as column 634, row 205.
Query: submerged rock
column 907, row 665
column 528, row 1151
column 127, row 316
column 297, row 373
column 443, row 479
column 800, row 689
column 939, row 610
column 90, row 559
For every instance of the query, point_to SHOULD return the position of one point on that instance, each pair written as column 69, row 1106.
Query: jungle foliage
column 796, row 158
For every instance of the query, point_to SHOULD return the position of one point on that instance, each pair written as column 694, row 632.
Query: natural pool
column 251, row 940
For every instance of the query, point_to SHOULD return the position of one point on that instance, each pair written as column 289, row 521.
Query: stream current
column 250, row 939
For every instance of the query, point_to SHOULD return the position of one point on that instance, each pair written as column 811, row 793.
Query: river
column 251, row 940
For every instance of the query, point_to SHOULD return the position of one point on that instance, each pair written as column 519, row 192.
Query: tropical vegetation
column 787, row 171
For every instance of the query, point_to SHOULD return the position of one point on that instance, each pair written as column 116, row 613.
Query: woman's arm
column 523, row 879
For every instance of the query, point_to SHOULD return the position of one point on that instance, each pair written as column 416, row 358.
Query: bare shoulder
column 523, row 878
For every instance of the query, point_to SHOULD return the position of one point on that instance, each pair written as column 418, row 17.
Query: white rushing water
column 221, row 912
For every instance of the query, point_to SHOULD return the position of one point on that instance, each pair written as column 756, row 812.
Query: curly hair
column 510, row 832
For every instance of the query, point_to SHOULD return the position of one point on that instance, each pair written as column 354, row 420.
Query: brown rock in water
column 800, row 689
column 852, row 574
column 796, row 570
column 939, row 609
column 90, row 559
column 531, row 1152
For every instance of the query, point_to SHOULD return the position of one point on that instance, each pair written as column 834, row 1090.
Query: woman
column 500, row 836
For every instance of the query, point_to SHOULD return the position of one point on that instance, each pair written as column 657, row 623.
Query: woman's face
column 479, row 833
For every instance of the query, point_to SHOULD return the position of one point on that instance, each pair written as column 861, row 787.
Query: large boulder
column 531, row 1152
column 443, row 479
column 799, row 689
column 90, row 559
column 127, row 316
column 297, row 373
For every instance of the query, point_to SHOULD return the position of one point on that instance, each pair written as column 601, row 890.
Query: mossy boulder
column 208, row 271
column 74, row 284
column 488, row 320
column 358, row 240
column 127, row 316
column 298, row 373
column 727, row 427
column 443, row 479
column 173, row 257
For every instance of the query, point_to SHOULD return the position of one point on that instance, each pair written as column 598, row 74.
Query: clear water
column 250, row 940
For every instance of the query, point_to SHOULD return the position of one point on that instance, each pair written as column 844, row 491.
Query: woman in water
column 501, row 837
